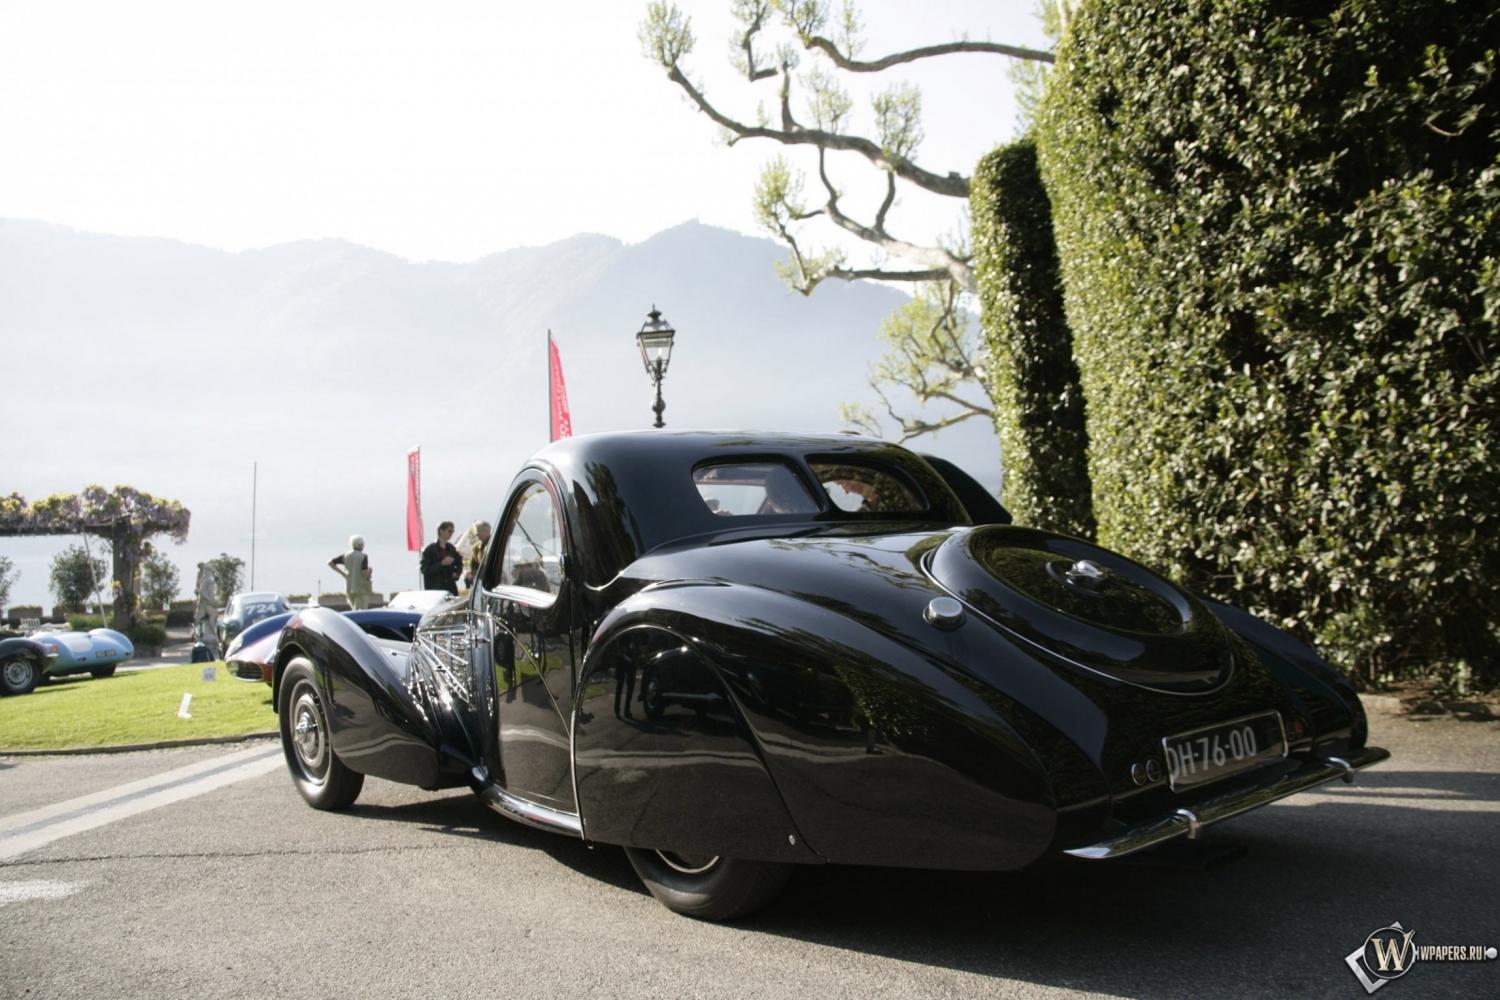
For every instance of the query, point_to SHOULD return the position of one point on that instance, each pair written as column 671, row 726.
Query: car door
column 522, row 617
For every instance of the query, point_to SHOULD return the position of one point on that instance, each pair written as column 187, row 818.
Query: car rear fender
column 663, row 758
column 882, row 755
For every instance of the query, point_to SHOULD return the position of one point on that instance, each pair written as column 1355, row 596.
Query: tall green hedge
column 1277, row 222
column 1032, row 377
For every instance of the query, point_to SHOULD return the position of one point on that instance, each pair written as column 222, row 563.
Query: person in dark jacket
column 441, row 563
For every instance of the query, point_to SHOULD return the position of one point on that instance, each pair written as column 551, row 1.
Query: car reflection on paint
column 733, row 654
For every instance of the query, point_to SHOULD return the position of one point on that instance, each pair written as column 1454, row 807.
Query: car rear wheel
column 102, row 672
column 19, row 675
column 324, row 781
column 707, row 887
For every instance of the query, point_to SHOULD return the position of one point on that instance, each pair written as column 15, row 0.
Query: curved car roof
column 630, row 492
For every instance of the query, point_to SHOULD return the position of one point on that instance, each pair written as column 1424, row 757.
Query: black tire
column 102, row 672
column 19, row 675
column 651, row 696
column 324, row 781
column 709, row 888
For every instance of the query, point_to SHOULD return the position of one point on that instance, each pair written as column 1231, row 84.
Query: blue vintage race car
column 97, row 651
column 25, row 662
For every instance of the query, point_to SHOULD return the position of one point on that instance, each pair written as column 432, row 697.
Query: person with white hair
column 354, row 567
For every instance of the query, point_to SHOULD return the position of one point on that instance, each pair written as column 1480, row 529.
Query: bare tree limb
column 793, row 134
column 842, row 61
column 935, row 258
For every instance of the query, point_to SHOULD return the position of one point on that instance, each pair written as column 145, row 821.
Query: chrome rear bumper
column 1188, row 822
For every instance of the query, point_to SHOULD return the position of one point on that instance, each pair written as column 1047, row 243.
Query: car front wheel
column 324, row 781
column 708, row 888
column 19, row 675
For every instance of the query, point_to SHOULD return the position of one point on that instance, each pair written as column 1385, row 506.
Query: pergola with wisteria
column 124, row 516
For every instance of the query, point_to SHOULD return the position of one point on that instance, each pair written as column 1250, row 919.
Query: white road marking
column 29, row 830
column 20, row 892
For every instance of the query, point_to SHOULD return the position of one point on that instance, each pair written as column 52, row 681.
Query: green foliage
column 147, row 635
column 229, row 574
column 74, row 574
column 666, row 35
column 84, row 623
column 898, row 120
column 160, row 580
column 1281, row 252
column 1032, row 378
column 8, row 577
column 931, row 351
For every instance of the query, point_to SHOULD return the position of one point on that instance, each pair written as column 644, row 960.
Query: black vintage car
column 735, row 653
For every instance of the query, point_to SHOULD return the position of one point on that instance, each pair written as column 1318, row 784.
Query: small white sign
column 210, row 673
column 182, row 710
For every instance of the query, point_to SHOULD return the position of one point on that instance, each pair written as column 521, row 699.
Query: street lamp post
column 655, row 339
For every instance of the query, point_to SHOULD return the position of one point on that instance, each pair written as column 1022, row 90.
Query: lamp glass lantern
column 655, row 340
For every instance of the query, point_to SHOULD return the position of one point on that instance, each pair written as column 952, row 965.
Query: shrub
column 1279, row 238
column 147, row 635
column 1032, row 377
column 83, row 623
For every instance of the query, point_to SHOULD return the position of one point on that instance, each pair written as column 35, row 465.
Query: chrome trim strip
column 522, row 811
column 1190, row 822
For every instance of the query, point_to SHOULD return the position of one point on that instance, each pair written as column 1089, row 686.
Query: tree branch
column 754, row 15
column 792, row 134
column 936, row 259
column 842, row 61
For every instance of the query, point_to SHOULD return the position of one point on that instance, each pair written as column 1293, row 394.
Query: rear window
column 741, row 489
column 867, row 489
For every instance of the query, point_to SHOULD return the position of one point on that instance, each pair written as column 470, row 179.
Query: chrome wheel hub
column 18, row 673
column 307, row 733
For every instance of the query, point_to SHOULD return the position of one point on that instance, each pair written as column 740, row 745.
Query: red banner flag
column 414, row 500
column 562, row 422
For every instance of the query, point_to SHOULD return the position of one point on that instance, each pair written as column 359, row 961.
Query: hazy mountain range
column 174, row 367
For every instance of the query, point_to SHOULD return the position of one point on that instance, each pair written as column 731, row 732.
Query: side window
column 530, row 550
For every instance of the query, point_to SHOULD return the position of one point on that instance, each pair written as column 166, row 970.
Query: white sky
column 437, row 130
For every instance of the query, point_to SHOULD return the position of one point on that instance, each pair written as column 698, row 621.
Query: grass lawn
column 136, row 707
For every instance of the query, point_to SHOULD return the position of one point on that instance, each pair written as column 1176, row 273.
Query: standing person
column 476, row 551
column 354, row 567
column 206, row 610
column 441, row 563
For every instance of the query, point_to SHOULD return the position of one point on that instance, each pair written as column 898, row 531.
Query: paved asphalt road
column 217, row 881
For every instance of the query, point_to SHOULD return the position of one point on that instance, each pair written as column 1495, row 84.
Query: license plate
column 1219, row 751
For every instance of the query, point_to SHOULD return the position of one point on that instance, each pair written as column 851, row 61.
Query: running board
column 1190, row 822
column 522, row 811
